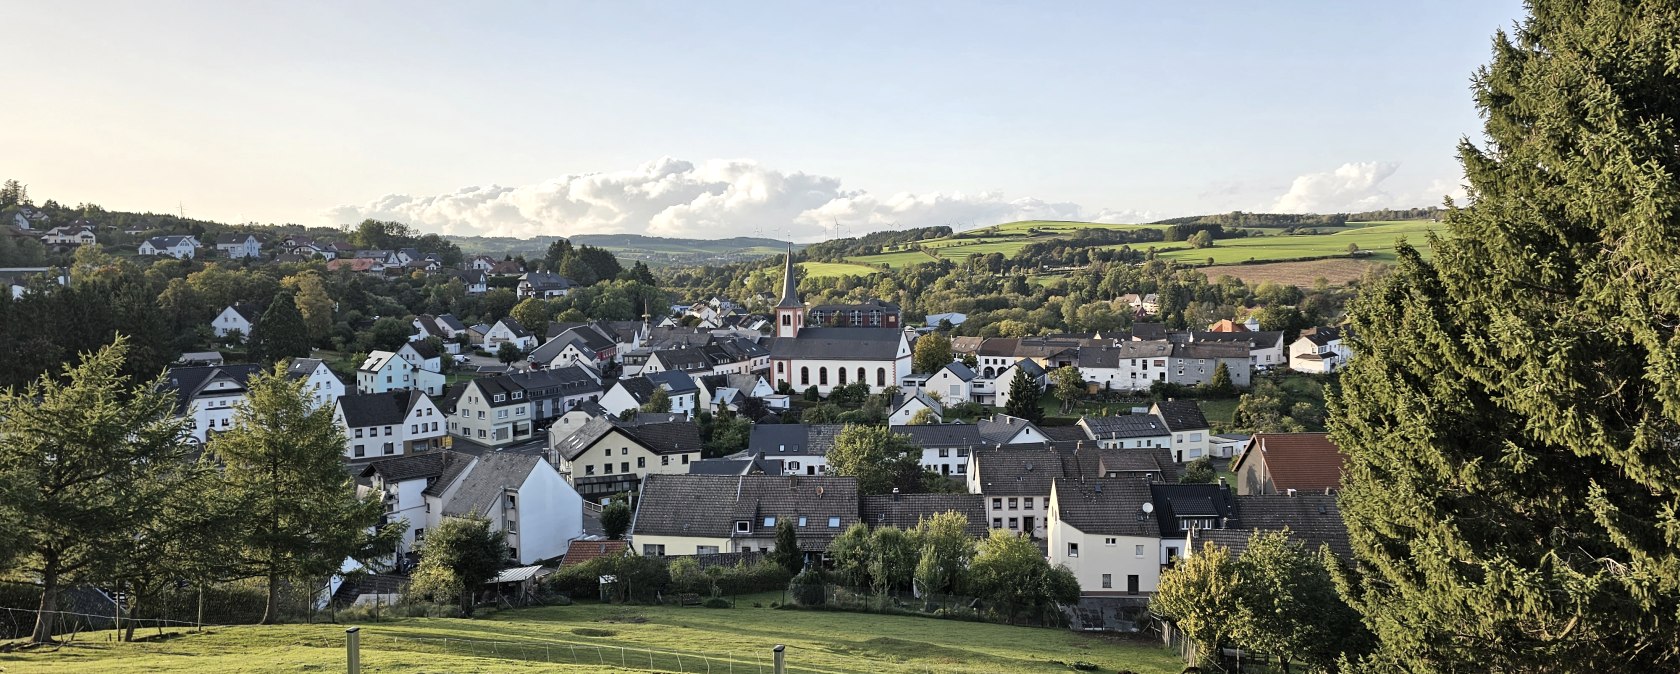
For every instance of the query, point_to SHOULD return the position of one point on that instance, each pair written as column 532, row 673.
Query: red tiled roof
column 583, row 551
column 1300, row 461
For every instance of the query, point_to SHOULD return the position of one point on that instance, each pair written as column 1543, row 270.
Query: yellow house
column 707, row 514
column 605, row 457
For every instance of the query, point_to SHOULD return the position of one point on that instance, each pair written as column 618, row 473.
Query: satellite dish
column 1149, row 507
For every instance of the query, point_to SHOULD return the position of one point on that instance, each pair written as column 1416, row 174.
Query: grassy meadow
column 588, row 638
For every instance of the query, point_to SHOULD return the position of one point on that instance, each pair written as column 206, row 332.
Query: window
column 1027, row 503
column 501, row 414
column 944, row 452
column 880, row 376
column 997, row 522
column 1137, row 551
column 743, row 526
column 419, row 534
column 861, row 377
column 664, row 460
column 962, row 451
column 1108, row 581
column 511, row 503
column 705, row 549
column 1131, row 584
column 651, row 550
column 414, row 428
column 769, row 522
column 589, row 470
column 841, row 372
column 624, row 467
column 388, row 430
column 623, row 451
column 1014, row 523
column 1195, row 437
column 801, row 520
column 956, row 391
column 1110, row 541
column 360, row 452
column 822, row 376
column 997, row 504
column 609, row 452
column 499, row 397
column 962, row 468
column 358, row 433
column 606, row 468
column 685, row 459
column 834, row 523
column 641, row 462
column 1073, row 549
column 804, row 376
column 1014, row 504
column 388, row 449
column 481, row 431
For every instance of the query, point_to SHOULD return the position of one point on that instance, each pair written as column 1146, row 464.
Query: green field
column 896, row 259
column 616, row 638
column 1377, row 238
column 822, row 269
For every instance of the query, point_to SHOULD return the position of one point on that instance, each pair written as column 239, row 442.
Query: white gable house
column 237, row 318
column 178, row 247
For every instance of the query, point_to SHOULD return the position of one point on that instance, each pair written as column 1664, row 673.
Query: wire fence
column 624, row 656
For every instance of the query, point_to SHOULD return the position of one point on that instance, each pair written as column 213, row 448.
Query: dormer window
column 500, row 397
column 834, row 523
column 743, row 526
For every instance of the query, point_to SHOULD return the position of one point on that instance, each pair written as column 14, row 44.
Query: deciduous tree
column 457, row 556
column 932, row 352
column 878, row 458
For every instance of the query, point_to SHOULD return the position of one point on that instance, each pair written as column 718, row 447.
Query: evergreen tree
column 1220, row 384
column 787, row 552
column 457, row 556
column 615, row 518
column 85, row 464
column 284, row 460
column 280, row 333
column 1511, row 412
column 1024, row 395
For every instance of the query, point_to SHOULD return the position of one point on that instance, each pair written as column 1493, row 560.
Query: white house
column 319, row 380
column 507, row 331
column 1319, row 351
column 402, row 483
column 178, row 247
column 543, row 285
column 954, row 383
column 235, row 246
column 1130, row 431
column 425, row 366
column 388, row 424
column 209, row 395
column 384, row 371
column 75, row 235
column 237, row 318
column 1105, row 532
column 1035, row 373
column 536, row 511
column 906, row 406
column 1192, row 435
column 1124, row 366
column 443, row 326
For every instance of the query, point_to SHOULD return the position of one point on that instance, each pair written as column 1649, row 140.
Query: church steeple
column 790, row 312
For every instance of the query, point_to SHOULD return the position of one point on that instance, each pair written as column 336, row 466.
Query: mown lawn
column 607, row 638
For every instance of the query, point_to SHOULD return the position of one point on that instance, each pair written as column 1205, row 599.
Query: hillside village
column 736, row 428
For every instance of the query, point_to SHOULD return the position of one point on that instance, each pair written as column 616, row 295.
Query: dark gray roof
column 553, row 382
column 1003, row 428
column 733, row 466
column 1173, row 501
column 710, row 505
column 664, row 437
column 677, row 383
column 189, row 381
column 901, row 399
column 415, row 466
column 1181, row 415
column 1016, row 470
column 451, row 322
column 378, row 409
column 167, row 241
column 1064, row 433
column 514, row 327
column 230, row 238
column 1105, row 506
column 249, row 312
column 300, row 368
column 485, row 482
column 639, row 388
column 1109, row 357
column 775, row 440
column 905, row 511
column 424, row 349
column 1254, row 340
column 942, row 435
column 961, row 371
column 1149, row 331
column 840, row 344
column 591, row 337
column 1125, row 426
column 1321, row 336
column 684, row 359
column 1312, row 519
column 1211, row 350
column 790, row 285
column 1031, row 366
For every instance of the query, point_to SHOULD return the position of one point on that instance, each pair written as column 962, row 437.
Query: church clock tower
column 790, row 312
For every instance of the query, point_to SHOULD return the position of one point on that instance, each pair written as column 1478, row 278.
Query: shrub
column 717, row 602
column 807, row 589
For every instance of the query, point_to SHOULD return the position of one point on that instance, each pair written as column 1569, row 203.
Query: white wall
column 550, row 514
column 1097, row 557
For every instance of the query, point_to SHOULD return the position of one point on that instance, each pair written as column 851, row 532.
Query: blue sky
column 711, row 119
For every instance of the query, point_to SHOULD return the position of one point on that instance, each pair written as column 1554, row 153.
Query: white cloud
column 716, row 198
column 1354, row 186
column 1449, row 188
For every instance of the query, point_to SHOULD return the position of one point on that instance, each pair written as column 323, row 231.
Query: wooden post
column 353, row 649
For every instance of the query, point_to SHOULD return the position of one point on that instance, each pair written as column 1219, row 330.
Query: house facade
column 708, row 514
column 604, row 456
column 238, row 319
column 388, row 424
column 237, row 246
column 178, row 247
column 1105, row 532
column 1319, row 351
column 319, row 381
column 209, row 395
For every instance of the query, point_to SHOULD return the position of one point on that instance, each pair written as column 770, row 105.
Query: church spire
column 790, row 284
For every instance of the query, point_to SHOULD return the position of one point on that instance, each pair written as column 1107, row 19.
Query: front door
column 1027, row 526
column 1131, row 584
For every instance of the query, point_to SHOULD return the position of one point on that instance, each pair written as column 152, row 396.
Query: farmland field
column 1378, row 239
column 822, row 269
column 616, row 638
column 895, row 259
column 1337, row 271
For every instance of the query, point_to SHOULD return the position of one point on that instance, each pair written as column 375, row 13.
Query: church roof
column 790, row 286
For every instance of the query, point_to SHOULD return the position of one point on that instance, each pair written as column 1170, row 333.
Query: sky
column 776, row 119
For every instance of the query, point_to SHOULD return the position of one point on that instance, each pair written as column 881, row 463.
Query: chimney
column 1222, row 484
column 1291, row 492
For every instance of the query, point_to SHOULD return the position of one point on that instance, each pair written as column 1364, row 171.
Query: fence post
column 353, row 650
column 781, row 667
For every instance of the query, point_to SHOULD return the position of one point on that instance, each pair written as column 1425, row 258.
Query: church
column 825, row 358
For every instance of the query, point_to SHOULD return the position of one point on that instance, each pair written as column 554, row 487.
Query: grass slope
column 530, row 640
column 823, row 269
column 1376, row 238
